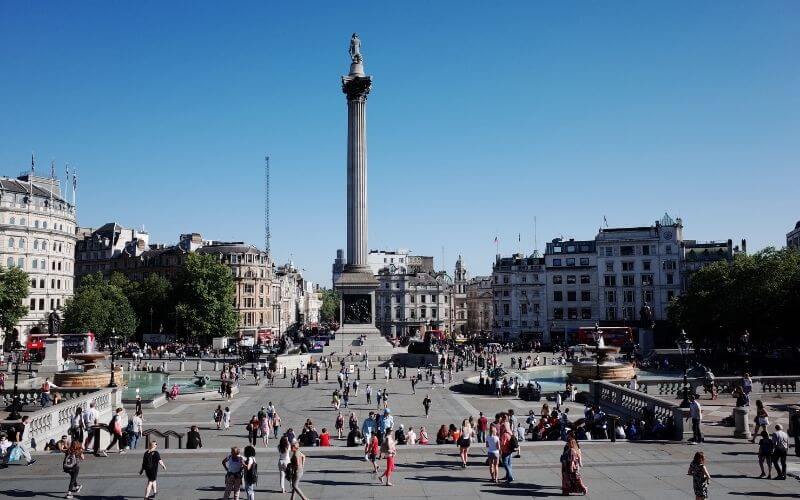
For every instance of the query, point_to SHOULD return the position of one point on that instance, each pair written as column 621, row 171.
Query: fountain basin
column 93, row 378
column 583, row 372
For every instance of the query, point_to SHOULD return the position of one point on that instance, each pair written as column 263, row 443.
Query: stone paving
column 612, row 470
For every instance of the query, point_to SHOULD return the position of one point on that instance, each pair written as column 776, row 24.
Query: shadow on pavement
column 768, row 494
column 524, row 489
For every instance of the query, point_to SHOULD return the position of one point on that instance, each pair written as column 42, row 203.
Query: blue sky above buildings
column 482, row 116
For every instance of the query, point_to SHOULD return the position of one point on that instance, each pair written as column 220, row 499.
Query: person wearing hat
column 400, row 435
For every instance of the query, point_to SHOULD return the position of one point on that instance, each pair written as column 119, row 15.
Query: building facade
column 793, row 237
column 480, row 305
column 637, row 267
column 572, row 292
column 408, row 304
column 459, row 313
column 520, row 298
column 697, row 255
column 37, row 235
column 96, row 249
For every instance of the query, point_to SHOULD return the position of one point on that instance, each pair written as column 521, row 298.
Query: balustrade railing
column 723, row 385
column 617, row 399
column 33, row 397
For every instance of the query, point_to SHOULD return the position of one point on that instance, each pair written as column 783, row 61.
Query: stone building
column 95, row 249
column 793, row 237
column 639, row 266
column 572, row 292
column 520, row 298
column 458, row 315
column 697, row 255
column 480, row 305
column 408, row 304
column 37, row 235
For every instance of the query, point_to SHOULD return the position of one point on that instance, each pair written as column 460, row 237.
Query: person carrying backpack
column 250, row 475
column 233, row 465
column 71, row 458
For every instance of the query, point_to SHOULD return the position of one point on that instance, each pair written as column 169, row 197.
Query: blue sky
column 482, row 116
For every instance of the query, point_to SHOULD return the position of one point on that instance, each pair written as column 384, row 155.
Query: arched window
column 36, row 223
column 22, row 221
column 12, row 220
column 34, row 264
column 10, row 262
column 11, row 243
column 36, row 244
column 21, row 263
column 42, row 264
column 44, row 245
column 44, row 224
column 22, row 242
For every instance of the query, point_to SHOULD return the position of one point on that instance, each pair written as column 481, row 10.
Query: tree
column 13, row 290
column 153, row 301
column 329, row 311
column 758, row 293
column 101, row 308
column 205, row 294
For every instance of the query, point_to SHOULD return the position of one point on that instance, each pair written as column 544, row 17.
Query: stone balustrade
column 53, row 422
column 627, row 403
column 32, row 397
column 724, row 385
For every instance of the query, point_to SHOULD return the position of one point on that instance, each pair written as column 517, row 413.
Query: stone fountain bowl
column 89, row 359
column 583, row 371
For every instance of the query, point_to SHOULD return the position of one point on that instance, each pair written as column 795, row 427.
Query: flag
column 605, row 221
column 33, row 164
column 519, row 236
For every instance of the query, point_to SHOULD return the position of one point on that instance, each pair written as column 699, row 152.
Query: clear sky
column 482, row 116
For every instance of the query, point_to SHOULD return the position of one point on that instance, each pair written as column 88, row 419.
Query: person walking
column 373, row 449
column 226, row 418
column 493, row 452
column 483, row 423
column 297, row 464
column 136, row 424
column 264, row 428
column 72, row 456
column 76, row 426
column 389, row 449
column 252, row 430
column 507, row 445
column 283, row 461
column 151, row 461
column 571, row 463
column 696, row 414
column 368, row 392
column 464, row 442
column 250, row 472
column 276, row 425
column 700, row 476
column 426, row 403
column 233, row 465
column 761, row 420
column 413, row 385
column 218, row 417
column 781, row 440
column 765, row 449
column 22, row 437
column 339, row 425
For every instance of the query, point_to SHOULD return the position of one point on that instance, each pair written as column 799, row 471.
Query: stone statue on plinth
column 53, row 324
column 355, row 49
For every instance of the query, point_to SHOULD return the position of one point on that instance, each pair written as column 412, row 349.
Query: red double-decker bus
column 612, row 335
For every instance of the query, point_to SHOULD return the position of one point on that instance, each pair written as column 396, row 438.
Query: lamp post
column 16, row 405
column 112, row 342
column 597, row 334
column 744, row 341
column 684, row 345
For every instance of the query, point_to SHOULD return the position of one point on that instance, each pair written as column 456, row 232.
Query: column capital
column 356, row 87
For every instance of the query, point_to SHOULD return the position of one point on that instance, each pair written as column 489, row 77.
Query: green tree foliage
column 205, row 294
column 153, row 301
column 759, row 293
column 329, row 311
column 100, row 307
column 13, row 290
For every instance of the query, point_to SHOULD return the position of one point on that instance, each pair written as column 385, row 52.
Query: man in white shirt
column 781, row 440
column 696, row 414
column 89, row 419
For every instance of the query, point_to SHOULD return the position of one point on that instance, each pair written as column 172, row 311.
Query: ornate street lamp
column 684, row 344
column 112, row 342
column 597, row 334
column 16, row 404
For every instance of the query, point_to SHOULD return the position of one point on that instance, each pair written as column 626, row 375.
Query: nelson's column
column 357, row 283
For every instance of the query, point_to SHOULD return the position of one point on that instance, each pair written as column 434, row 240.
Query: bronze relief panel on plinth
column 357, row 309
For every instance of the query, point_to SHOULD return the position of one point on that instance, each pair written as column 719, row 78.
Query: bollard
column 284, row 372
column 216, row 365
column 390, row 373
column 326, row 373
column 613, row 430
column 405, row 372
column 374, row 377
column 199, row 365
column 183, row 366
column 358, row 373
column 741, row 420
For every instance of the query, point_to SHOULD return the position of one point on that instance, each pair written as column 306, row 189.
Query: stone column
column 357, row 86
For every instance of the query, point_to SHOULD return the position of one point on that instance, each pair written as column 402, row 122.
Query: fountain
column 605, row 366
column 88, row 373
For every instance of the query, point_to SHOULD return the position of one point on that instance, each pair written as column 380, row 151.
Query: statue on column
column 355, row 49
column 53, row 324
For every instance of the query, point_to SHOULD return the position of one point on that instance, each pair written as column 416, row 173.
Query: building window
column 647, row 296
column 570, row 279
column 668, row 249
column 609, row 267
column 611, row 313
column 627, row 265
column 584, row 261
column 585, row 279
column 556, row 279
column 586, row 313
column 558, row 313
column 523, row 309
column 11, row 242
column 670, row 278
column 572, row 295
column 611, row 296
column 669, row 265
column 646, row 265
column 645, row 249
column 670, row 295
column 41, row 304
column 647, row 280
column 505, row 309
column 433, row 312
column 571, row 262
column 556, row 262
column 558, row 295
column 627, row 297
column 628, row 280
column 33, row 305
column 586, row 295
column 626, row 250
column 33, row 283
column 610, row 280
column 572, row 313
column 34, row 263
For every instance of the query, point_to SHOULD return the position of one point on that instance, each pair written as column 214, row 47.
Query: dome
column 797, row 226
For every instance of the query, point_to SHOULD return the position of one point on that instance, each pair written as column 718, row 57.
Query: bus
column 70, row 343
column 617, row 336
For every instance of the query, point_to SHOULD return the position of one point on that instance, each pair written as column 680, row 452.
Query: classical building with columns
column 37, row 235
column 520, row 298
column 408, row 304
column 480, row 305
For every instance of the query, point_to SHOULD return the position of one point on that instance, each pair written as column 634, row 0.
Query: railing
column 53, row 422
column 723, row 385
column 634, row 404
column 34, row 396
column 164, row 435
